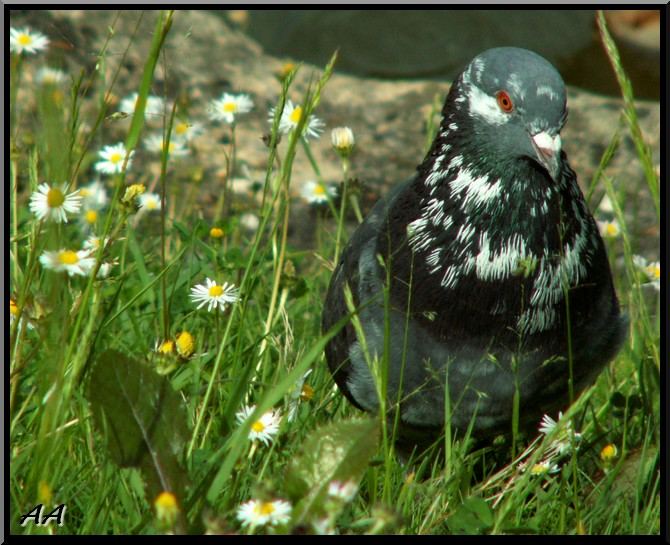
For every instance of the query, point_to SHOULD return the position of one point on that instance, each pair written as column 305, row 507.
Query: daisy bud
column 343, row 140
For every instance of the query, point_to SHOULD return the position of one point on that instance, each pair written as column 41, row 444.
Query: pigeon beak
column 548, row 151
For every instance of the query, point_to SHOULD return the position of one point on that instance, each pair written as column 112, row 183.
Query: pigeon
column 481, row 282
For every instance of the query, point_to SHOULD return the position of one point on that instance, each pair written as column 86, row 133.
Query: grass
column 78, row 411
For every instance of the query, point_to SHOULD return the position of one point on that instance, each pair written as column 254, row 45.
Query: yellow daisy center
column 230, row 107
column 612, row 229
column 85, row 192
column 68, row 257
column 13, row 308
column 654, row 271
column 151, row 204
column 115, row 157
column 265, row 508
column 25, row 39
column 296, row 114
column 91, row 216
column 181, row 128
column 319, row 190
column 215, row 291
column 55, row 198
column 258, row 426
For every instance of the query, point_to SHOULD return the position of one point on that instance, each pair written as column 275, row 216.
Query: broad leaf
column 473, row 516
column 142, row 418
column 340, row 452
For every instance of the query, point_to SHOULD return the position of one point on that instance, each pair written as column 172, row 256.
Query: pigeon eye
column 504, row 101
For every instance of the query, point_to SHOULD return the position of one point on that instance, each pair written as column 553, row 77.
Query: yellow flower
column 13, row 308
column 166, row 508
column 165, row 357
column 132, row 192
column 608, row 453
column 185, row 344
column 307, row 392
column 286, row 69
column 166, row 347
column 216, row 232
column 44, row 493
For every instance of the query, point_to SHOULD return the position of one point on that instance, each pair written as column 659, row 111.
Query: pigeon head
column 516, row 102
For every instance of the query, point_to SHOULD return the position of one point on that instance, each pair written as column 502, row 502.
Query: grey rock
column 206, row 56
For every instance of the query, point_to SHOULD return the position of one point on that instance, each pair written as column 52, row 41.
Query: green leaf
column 473, row 516
column 143, row 420
column 339, row 451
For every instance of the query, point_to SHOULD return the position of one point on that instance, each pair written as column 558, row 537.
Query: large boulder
column 206, row 56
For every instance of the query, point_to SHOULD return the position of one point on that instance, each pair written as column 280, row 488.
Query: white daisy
column 544, row 467
column 155, row 105
column 548, row 424
column 317, row 193
column 249, row 221
column 177, row 147
column 261, row 513
column 565, row 438
column 54, row 203
column 69, row 261
column 344, row 491
column 149, row 202
column 265, row 428
column 290, row 118
column 106, row 268
column 112, row 158
column 228, row 106
column 651, row 269
column 606, row 206
column 186, row 131
column 49, row 76
column 609, row 229
column 94, row 195
column 214, row 295
column 27, row 40
column 92, row 243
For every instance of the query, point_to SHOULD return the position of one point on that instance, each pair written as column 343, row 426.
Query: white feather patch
column 485, row 106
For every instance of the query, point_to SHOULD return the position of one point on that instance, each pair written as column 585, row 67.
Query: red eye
column 504, row 101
